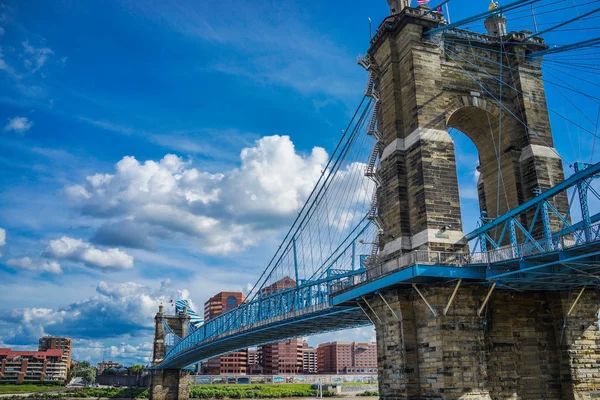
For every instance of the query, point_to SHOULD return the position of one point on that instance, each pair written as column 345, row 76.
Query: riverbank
column 254, row 391
column 78, row 393
column 13, row 389
column 238, row 391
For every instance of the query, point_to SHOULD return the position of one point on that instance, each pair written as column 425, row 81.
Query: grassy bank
column 15, row 389
column 369, row 393
column 115, row 393
column 253, row 391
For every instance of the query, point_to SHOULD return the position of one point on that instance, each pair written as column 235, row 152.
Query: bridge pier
column 515, row 349
column 168, row 384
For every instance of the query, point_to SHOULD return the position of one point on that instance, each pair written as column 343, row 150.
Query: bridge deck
column 322, row 320
column 555, row 270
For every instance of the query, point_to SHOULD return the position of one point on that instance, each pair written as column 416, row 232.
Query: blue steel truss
column 511, row 256
column 299, row 311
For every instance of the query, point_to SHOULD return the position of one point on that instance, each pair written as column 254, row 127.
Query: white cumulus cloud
column 114, row 310
column 2, row 237
column 28, row 264
column 223, row 212
column 68, row 248
column 18, row 124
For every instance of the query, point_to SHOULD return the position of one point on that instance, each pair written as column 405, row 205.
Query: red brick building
column 309, row 359
column 232, row 363
column 57, row 343
column 32, row 366
column 284, row 357
column 282, row 284
column 347, row 358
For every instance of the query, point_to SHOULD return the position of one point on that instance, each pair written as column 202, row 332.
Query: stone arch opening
column 481, row 124
column 467, row 174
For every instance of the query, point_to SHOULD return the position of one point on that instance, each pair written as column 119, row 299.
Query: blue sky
column 150, row 150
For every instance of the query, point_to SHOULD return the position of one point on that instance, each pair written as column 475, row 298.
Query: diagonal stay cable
column 506, row 108
column 528, row 97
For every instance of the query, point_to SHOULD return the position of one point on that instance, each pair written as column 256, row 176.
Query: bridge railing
column 575, row 238
column 286, row 304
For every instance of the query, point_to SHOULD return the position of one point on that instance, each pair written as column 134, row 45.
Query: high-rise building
column 222, row 302
column 309, row 359
column 57, row 343
column 237, row 361
column 285, row 357
column 254, row 367
column 32, row 366
column 347, row 358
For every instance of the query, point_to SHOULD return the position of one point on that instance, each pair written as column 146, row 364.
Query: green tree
column 137, row 369
column 84, row 370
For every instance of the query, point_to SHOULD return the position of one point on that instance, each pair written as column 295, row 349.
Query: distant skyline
column 157, row 150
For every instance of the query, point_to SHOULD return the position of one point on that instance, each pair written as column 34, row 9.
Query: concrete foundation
column 522, row 346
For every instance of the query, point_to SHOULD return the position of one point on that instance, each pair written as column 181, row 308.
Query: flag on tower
column 422, row 2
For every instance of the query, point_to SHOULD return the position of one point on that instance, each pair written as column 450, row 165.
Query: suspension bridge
column 507, row 309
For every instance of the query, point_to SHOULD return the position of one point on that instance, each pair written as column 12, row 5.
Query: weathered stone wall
column 425, row 89
column 578, row 343
column 513, row 350
column 169, row 384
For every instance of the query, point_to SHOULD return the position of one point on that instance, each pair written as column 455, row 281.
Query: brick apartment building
column 57, row 343
column 309, row 359
column 232, row 363
column 347, row 358
column 254, row 366
column 32, row 366
column 282, row 284
column 285, row 357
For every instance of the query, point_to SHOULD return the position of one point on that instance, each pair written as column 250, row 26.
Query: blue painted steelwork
column 585, row 210
column 559, row 49
column 295, row 306
column 564, row 185
column 295, row 260
column 579, row 16
column 417, row 273
column 328, row 300
column 499, row 10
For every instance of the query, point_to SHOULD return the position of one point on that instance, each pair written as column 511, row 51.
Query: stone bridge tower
column 428, row 86
column 168, row 384
column 517, row 345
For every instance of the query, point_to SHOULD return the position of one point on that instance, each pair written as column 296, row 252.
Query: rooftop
column 40, row 355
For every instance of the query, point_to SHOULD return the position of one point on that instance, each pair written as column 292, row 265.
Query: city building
column 232, row 363
column 104, row 365
column 285, row 357
column 347, row 358
column 282, row 284
column 222, row 302
column 32, row 366
column 254, row 367
column 61, row 343
column 309, row 359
